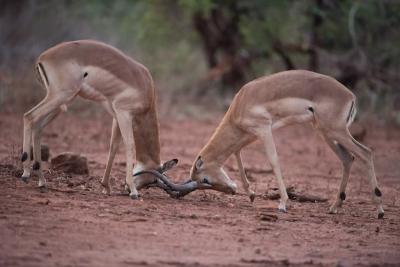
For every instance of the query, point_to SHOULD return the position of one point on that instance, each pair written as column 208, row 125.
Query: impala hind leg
column 243, row 177
column 125, row 125
column 114, row 144
column 347, row 159
column 32, row 121
column 37, row 153
column 365, row 155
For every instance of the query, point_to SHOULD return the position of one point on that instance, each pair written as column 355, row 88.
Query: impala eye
column 206, row 181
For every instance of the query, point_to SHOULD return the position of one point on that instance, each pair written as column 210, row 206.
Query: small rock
column 70, row 163
column 43, row 243
column 268, row 217
column 258, row 251
column 216, row 217
column 194, row 216
column 44, row 202
column 377, row 229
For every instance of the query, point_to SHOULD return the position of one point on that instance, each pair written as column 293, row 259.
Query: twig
column 294, row 196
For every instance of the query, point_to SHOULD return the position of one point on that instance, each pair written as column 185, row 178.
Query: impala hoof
column 127, row 188
column 380, row 215
column 283, row 210
column 252, row 196
column 282, row 207
column 333, row 210
column 134, row 196
column 106, row 191
column 25, row 179
column 43, row 189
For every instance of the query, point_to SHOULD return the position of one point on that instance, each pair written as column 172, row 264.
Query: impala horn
column 174, row 190
column 184, row 188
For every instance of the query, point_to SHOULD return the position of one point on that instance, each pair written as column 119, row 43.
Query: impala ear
column 198, row 164
column 168, row 165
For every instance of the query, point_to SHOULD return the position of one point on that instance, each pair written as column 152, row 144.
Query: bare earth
column 73, row 224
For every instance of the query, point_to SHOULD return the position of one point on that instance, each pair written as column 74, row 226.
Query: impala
column 275, row 101
column 103, row 74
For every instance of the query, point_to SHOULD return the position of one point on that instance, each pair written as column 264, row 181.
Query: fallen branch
column 250, row 171
column 273, row 194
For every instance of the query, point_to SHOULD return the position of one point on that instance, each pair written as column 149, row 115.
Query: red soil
column 73, row 224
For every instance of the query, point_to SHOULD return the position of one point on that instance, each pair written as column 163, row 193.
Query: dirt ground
column 74, row 224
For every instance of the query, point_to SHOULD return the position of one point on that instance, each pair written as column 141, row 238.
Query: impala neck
column 147, row 140
column 226, row 140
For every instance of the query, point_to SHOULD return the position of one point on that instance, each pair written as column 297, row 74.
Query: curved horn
column 160, row 184
column 168, row 165
column 181, row 188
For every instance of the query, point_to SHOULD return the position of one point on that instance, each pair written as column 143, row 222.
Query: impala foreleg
column 125, row 125
column 265, row 135
column 243, row 177
column 114, row 144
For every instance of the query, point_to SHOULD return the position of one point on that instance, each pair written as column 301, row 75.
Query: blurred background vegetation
column 200, row 52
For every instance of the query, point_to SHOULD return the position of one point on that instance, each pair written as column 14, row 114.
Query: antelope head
column 213, row 175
